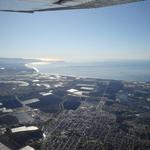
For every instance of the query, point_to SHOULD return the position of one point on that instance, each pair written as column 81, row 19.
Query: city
column 56, row 112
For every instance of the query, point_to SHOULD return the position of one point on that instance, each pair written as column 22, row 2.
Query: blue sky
column 116, row 32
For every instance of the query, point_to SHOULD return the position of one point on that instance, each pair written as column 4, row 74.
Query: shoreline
column 33, row 65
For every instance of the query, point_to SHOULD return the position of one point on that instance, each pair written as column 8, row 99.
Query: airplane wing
column 31, row 6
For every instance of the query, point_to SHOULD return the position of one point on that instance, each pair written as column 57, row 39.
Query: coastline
column 33, row 65
column 133, row 72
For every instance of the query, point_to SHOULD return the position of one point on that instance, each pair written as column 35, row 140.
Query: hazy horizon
column 79, row 61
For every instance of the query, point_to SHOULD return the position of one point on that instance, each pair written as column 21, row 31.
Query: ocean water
column 119, row 70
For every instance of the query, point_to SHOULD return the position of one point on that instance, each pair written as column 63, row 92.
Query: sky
column 110, row 33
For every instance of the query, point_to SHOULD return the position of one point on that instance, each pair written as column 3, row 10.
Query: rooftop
column 24, row 128
column 3, row 147
column 27, row 148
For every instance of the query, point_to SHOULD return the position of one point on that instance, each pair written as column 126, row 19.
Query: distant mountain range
column 18, row 60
